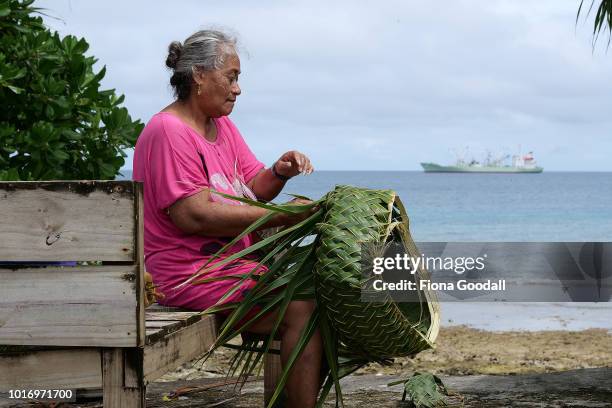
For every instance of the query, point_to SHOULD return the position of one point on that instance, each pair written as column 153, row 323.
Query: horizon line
column 422, row 171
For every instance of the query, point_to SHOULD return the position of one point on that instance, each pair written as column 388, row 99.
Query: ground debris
column 575, row 388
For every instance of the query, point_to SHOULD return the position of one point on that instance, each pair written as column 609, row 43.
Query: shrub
column 55, row 122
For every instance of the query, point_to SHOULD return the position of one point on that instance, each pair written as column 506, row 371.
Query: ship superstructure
column 519, row 163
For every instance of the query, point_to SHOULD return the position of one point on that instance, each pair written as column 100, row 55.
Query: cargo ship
column 520, row 164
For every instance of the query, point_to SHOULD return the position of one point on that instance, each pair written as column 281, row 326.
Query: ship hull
column 436, row 168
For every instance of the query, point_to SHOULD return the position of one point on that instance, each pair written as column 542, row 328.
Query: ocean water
column 542, row 207
column 488, row 207
column 551, row 206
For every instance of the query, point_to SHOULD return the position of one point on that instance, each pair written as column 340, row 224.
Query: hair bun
column 174, row 53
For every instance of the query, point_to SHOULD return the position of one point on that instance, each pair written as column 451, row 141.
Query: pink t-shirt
column 174, row 161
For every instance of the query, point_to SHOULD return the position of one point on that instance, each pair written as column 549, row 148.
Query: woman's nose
column 236, row 89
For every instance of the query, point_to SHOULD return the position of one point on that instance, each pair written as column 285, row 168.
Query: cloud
column 354, row 83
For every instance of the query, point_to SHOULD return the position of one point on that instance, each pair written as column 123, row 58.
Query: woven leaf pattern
column 373, row 331
column 321, row 257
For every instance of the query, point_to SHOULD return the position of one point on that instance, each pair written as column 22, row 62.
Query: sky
column 384, row 85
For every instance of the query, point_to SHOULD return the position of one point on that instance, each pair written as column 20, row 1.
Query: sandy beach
column 466, row 351
column 480, row 368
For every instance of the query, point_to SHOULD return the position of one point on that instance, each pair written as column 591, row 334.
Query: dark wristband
column 278, row 176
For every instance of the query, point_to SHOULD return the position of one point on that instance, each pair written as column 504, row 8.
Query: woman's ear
column 198, row 79
column 198, row 75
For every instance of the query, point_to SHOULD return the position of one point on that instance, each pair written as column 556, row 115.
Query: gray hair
column 204, row 50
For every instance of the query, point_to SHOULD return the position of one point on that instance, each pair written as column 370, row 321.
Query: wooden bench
column 85, row 326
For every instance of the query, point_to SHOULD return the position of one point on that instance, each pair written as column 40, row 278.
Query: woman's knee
column 301, row 308
column 298, row 313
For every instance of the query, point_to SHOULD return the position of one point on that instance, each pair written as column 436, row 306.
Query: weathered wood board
column 116, row 393
column 58, row 221
column 138, row 194
column 51, row 369
column 179, row 347
column 273, row 370
column 69, row 306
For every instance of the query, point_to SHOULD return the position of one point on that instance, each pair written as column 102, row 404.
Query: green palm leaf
column 424, row 390
column 319, row 258
column 603, row 18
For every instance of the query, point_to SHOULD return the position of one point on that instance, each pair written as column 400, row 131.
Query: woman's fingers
column 295, row 218
column 293, row 163
column 300, row 201
column 300, row 163
column 298, row 159
column 307, row 166
column 284, row 167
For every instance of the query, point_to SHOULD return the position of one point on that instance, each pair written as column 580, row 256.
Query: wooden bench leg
column 121, row 386
column 272, row 372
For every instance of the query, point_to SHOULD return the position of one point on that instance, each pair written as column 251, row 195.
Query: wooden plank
column 159, row 324
column 164, row 323
column 115, row 393
column 153, row 333
column 156, row 307
column 51, row 369
column 188, row 317
column 133, row 365
column 272, row 372
column 139, row 258
column 156, row 334
column 179, row 347
column 67, row 221
column 72, row 306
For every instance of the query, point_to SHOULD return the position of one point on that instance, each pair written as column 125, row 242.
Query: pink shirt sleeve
column 175, row 167
column 248, row 162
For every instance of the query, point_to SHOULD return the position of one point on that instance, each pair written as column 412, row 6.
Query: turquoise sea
column 552, row 206
column 489, row 207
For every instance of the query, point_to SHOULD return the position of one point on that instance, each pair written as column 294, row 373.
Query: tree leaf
column 56, row 121
column 5, row 9
column 15, row 89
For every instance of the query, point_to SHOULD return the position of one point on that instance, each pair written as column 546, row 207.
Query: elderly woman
column 185, row 150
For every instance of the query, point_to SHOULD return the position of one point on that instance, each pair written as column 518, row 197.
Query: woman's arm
column 198, row 215
column 266, row 185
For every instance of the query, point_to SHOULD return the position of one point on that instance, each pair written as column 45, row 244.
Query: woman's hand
column 292, row 219
column 268, row 183
column 293, row 163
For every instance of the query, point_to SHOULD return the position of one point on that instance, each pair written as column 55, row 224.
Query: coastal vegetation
column 55, row 122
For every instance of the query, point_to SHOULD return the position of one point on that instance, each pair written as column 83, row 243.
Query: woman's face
column 219, row 88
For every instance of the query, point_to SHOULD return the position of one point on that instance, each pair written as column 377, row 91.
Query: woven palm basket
column 369, row 330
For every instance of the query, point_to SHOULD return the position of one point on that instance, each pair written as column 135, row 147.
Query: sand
column 544, row 369
column 462, row 351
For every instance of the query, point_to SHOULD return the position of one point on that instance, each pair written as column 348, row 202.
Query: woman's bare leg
column 303, row 382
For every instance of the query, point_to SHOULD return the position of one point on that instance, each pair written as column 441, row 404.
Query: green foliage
column 55, row 122
column 424, row 390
